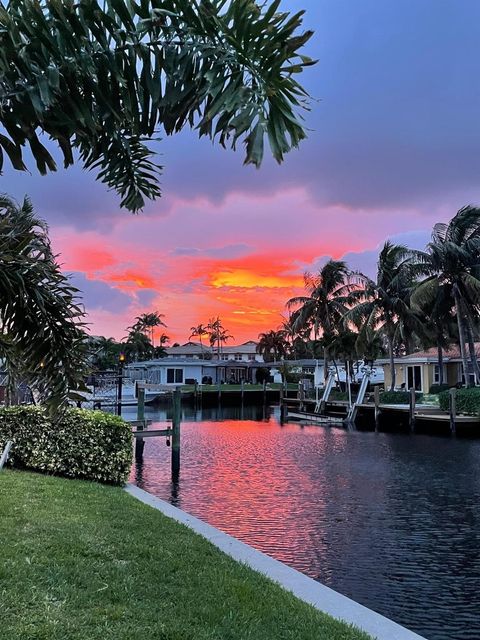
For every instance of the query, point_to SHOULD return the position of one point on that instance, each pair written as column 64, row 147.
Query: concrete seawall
column 305, row 588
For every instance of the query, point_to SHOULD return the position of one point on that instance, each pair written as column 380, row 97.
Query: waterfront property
column 174, row 370
column 421, row 370
column 182, row 371
column 245, row 352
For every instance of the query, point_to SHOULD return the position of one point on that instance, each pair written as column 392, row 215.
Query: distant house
column 178, row 371
column 421, row 370
column 245, row 352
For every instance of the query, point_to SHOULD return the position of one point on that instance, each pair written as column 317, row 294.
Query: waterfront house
column 178, row 371
column 245, row 352
column 421, row 370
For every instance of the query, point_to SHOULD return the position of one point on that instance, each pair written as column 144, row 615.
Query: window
column 414, row 377
column 238, row 356
column 436, row 374
column 252, row 357
column 174, row 376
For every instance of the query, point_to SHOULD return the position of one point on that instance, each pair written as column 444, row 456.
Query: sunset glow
column 231, row 241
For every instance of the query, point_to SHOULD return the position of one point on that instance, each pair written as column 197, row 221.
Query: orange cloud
column 248, row 278
column 131, row 279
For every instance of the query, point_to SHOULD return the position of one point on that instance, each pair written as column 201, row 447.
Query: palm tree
column 290, row 334
column 272, row 345
column 451, row 263
column 41, row 320
column 217, row 333
column 113, row 75
column 199, row 331
column 146, row 323
column 104, row 352
column 383, row 305
column 438, row 316
column 138, row 346
column 324, row 306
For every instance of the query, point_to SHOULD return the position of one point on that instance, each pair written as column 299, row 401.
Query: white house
column 245, row 352
column 176, row 371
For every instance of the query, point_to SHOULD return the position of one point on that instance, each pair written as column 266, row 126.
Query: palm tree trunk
column 392, row 364
column 471, row 349
column 461, row 333
column 440, row 364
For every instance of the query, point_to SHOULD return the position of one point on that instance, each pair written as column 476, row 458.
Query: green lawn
column 88, row 562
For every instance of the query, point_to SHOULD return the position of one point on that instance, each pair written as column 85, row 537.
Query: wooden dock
column 374, row 414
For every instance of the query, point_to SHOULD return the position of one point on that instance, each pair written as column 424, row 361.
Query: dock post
column 453, row 410
column 219, row 391
column 195, row 392
column 140, row 442
column 177, row 399
column 412, row 400
column 301, row 395
column 264, row 392
column 376, row 399
column 243, row 388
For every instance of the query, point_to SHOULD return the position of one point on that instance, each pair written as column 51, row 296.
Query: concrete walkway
column 305, row 588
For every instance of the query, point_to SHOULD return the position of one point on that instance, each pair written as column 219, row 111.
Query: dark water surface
column 392, row 521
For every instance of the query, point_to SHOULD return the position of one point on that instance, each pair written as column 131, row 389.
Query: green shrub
column 398, row 397
column 438, row 388
column 466, row 401
column 82, row 444
column 336, row 394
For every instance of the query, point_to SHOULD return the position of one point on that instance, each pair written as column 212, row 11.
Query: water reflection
column 390, row 520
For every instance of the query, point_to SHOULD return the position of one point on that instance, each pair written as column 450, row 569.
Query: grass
column 82, row 561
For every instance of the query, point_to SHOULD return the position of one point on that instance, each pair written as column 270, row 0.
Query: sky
column 393, row 147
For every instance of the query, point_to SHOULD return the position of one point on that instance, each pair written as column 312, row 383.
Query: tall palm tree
column 272, row 345
column 383, row 305
column 41, row 320
column 138, row 346
column 147, row 322
column 199, row 331
column 324, row 306
column 452, row 261
column 217, row 333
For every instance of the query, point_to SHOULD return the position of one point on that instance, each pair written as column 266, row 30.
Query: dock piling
column 140, row 442
column 452, row 396
column 376, row 399
column 176, row 419
column 411, row 402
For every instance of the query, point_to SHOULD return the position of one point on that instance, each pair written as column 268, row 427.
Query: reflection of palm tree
column 452, row 260
column 199, row 331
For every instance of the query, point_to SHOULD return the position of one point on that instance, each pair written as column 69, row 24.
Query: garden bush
column 438, row 388
column 398, row 397
column 80, row 444
column 337, row 394
column 466, row 401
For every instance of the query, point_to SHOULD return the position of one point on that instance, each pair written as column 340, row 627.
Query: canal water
column 392, row 521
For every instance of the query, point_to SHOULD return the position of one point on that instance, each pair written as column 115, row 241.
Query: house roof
column 451, row 354
column 195, row 348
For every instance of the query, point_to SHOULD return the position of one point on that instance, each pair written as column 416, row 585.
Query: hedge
column 337, row 394
column 398, row 397
column 466, row 401
column 82, row 444
column 438, row 388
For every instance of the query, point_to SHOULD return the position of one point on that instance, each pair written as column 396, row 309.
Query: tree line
column 417, row 300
